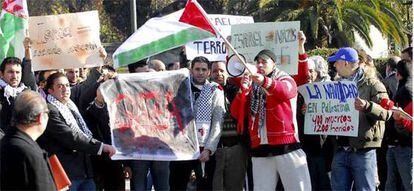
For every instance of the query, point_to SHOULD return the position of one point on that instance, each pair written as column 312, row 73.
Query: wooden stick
column 222, row 37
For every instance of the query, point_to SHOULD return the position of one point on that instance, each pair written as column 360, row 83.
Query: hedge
column 380, row 63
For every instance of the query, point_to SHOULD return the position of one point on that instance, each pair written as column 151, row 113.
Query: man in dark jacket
column 68, row 136
column 24, row 165
column 15, row 76
column 232, row 150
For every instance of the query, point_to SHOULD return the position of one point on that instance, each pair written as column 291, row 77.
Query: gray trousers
column 231, row 165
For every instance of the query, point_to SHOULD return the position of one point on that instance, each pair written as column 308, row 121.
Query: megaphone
column 236, row 68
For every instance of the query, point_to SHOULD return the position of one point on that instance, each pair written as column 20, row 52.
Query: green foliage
column 324, row 52
column 108, row 32
column 380, row 64
column 332, row 23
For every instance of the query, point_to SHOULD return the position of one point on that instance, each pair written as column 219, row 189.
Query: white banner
column 65, row 41
column 214, row 49
column 279, row 37
column 151, row 116
column 330, row 108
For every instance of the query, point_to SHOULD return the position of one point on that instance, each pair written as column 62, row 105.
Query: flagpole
column 221, row 36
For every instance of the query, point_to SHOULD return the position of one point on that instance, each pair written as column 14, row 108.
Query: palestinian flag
column 164, row 33
column 13, row 25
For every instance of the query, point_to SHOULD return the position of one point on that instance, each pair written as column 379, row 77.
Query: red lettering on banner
column 137, row 110
column 332, row 123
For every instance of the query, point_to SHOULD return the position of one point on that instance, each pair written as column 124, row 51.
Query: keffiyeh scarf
column 11, row 91
column 71, row 115
column 204, row 112
column 258, row 104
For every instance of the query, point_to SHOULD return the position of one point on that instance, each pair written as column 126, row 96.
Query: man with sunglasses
column 208, row 99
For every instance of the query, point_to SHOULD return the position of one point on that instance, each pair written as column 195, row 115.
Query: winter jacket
column 372, row 120
column 279, row 111
column 397, row 134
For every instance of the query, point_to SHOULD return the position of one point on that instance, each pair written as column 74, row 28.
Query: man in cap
column 354, row 161
column 268, row 99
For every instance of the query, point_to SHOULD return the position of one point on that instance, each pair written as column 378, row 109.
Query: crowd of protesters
column 252, row 127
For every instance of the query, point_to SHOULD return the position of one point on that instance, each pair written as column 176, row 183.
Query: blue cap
column 346, row 53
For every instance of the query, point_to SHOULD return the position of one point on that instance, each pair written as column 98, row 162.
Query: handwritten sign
column 279, row 37
column 151, row 116
column 214, row 49
column 65, row 41
column 330, row 108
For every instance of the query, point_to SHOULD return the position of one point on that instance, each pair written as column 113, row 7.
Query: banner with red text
column 330, row 108
column 65, row 41
column 151, row 116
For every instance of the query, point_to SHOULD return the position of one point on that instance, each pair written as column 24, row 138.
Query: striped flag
column 13, row 25
column 165, row 33
column 195, row 15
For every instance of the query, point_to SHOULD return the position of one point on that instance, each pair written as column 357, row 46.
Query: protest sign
column 279, row 37
column 330, row 108
column 65, row 41
column 151, row 116
column 213, row 48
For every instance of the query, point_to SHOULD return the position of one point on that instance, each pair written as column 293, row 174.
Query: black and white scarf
column 204, row 111
column 258, row 103
column 11, row 91
column 71, row 115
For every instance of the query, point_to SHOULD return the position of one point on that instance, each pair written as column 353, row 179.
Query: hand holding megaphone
column 236, row 67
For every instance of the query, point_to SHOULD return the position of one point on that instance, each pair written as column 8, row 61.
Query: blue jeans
column 160, row 173
column 84, row 184
column 357, row 167
column 399, row 164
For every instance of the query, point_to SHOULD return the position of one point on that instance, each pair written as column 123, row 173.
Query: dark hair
column 27, row 107
column 409, row 51
column 331, row 68
column 109, row 68
column 9, row 60
column 133, row 66
column 402, row 69
column 183, row 59
column 41, row 75
column 51, row 79
column 201, row 59
column 392, row 63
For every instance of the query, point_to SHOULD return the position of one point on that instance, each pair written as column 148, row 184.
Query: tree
column 330, row 22
column 108, row 32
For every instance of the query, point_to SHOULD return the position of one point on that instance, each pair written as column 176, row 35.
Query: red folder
column 60, row 177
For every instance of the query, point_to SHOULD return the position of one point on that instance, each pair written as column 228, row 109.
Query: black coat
column 72, row 149
column 397, row 134
column 24, row 165
column 6, row 106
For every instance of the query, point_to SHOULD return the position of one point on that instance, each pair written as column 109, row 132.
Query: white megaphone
column 236, row 68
